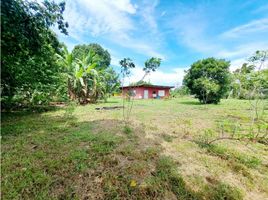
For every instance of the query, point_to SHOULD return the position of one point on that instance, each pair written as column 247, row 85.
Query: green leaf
column 92, row 66
column 79, row 74
column 82, row 82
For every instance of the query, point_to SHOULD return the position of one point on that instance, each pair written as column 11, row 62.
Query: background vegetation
column 176, row 148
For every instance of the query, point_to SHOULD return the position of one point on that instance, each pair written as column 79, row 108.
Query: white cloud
column 160, row 77
column 115, row 60
column 243, row 50
column 237, row 63
column 111, row 20
column 123, row 5
column 148, row 12
column 256, row 26
column 104, row 16
column 190, row 27
column 193, row 28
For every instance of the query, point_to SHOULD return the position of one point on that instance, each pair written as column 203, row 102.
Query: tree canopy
column 29, row 68
column 80, row 51
column 208, row 79
column 251, row 79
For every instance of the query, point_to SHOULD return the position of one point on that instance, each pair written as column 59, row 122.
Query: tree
column 81, row 51
column 30, row 73
column 87, row 80
column 181, row 91
column 150, row 65
column 126, row 65
column 111, row 83
column 250, row 81
column 208, row 79
column 67, row 60
column 259, row 58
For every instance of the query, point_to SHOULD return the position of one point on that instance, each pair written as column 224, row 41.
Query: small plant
column 69, row 110
column 127, row 130
column 167, row 138
column 222, row 191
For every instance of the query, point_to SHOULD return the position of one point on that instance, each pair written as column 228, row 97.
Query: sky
column 179, row 32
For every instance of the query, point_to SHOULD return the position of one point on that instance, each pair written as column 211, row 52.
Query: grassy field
column 84, row 153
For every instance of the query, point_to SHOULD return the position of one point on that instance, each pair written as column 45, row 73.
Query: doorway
column 146, row 94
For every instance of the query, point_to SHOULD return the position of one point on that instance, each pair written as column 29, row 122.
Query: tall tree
column 251, row 79
column 80, row 51
column 150, row 65
column 28, row 48
column 208, row 79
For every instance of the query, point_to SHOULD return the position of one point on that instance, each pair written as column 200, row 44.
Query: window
column 161, row 93
column 154, row 94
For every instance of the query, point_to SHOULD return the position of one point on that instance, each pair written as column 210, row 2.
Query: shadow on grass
column 191, row 103
column 46, row 156
column 28, row 111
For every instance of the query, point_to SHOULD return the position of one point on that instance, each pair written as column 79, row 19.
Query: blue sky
column 179, row 32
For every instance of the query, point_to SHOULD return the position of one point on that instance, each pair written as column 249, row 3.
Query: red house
column 146, row 91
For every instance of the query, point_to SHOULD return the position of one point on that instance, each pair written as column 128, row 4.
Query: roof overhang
column 148, row 86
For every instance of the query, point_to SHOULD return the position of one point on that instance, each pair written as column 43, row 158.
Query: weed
column 222, row 191
column 167, row 138
column 79, row 158
column 226, row 154
column 127, row 130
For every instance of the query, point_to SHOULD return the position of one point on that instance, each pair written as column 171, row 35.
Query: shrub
column 208, row 79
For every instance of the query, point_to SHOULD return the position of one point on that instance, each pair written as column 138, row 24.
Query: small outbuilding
column 147, row 91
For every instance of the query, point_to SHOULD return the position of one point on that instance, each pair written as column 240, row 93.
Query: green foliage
column 88, row 78
column 127, row 130
column 111, row 83
column 141, row 82
column 80, row 51
column 126, row 65
column 251, row 80
column 181, row 91
column 29, row 68
column 208, row 79
column 249, row 84
column 259, row 58
column 150, row 65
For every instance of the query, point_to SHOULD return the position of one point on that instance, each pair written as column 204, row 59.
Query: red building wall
column 140, row 91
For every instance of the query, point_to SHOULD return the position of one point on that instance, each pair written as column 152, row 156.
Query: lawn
column 83, row 153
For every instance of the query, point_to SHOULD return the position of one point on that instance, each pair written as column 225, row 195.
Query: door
column 146, row 94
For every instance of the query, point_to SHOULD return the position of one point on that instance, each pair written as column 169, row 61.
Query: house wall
column 140, row 92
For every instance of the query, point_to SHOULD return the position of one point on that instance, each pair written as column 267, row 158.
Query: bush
column 181, row 91
column 208, row 79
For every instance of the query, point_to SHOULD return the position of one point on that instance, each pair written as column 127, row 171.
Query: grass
column 81, row 153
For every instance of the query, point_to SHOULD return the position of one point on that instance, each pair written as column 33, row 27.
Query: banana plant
column 87, row 77
column 68, row 62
